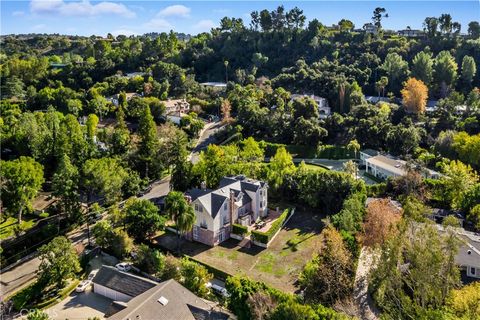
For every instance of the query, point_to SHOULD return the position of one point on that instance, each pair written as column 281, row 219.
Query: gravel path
column 360, row 293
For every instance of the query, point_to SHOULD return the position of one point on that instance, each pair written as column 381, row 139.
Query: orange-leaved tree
column 415, row 95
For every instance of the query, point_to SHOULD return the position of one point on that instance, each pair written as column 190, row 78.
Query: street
column 22, row 274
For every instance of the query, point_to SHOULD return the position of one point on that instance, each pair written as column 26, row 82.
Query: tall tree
column 21, row 179
column 378, row 14
column 445, row 72
column 65, row 183
column 142, row 218
column 422, row 67
column 415, row 95
column 148, row 145
column 396, row 69
column 58, row 262
column 474, row 29
column 469, row 69
column 328, row 277
column 380, row 221
column 280, row 165
column 181, row 212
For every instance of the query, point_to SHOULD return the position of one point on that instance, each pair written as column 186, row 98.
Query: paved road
column 159, row 188
column 21, row 275
column 206, row 138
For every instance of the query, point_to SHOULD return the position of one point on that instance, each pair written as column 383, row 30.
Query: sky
column 84, row 17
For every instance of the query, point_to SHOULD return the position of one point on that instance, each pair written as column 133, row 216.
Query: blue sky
column 83, row 17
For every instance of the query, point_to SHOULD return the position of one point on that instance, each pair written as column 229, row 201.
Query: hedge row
column 61, row 296
column 376, row 190
column 239, row 229
column 265, row 237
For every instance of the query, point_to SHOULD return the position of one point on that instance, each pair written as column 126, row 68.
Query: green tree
column 328, row 277
column 422, row 67
column 458, row 179
column 445, row 72
column 212, row 165
column 148, row 145
column 58, row 262
column 280, row 166
column 469, row 69
column 380, row 85
column 474, row 29
column 142, row 218
column 65, row 183
column 195, row 277
column 396, row 69
column 120, row 138
column 105, row 177
column 294, row 311
column 181, row 212
column 150, row 260
column 21, row 179
column 378, row 14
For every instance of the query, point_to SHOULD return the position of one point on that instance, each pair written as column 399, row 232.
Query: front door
column 195, row 233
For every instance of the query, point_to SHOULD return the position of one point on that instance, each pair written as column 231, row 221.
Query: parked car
column 92, row 274
column 83, row 285
column 123, row 266
column 218, row 289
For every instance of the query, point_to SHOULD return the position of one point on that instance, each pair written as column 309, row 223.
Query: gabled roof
column 123, row 282
column 168, row 300
column 212, row 200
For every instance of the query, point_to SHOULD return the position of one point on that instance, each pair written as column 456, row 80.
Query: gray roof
column 123, row 282
column 370, row 152
column 182, row 304
column 469, row 252
column 212, row 200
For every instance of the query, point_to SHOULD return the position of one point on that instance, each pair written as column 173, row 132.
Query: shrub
column 239, row 229
column 376, row 190
column 265, row 237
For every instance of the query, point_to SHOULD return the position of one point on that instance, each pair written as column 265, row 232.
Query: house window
column 472, row 270
column 225, row 205
column 261, row 204
column 204, row 224
column 225, row 220
column 196, row 207
column 261, row 192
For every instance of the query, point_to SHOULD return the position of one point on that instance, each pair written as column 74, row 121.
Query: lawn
column 7, row 226
column 315, row 167
column 278, row 266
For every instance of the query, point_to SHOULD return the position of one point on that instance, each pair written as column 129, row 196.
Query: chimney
column 232, row 204
column 203, row 185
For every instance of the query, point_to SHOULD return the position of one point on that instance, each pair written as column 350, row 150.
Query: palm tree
column 355, row 146
column 181, row 212
column 225, row 63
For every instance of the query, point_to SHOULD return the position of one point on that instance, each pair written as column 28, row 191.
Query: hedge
column 61, row 295
column 239, row 229
column 376, row 190
column 265, row 237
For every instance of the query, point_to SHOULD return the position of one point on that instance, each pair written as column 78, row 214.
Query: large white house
column 237, row 200
column 386, row 166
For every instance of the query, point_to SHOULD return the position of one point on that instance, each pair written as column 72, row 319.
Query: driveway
column 159, row 188
column 83, row 305
column 206, row 137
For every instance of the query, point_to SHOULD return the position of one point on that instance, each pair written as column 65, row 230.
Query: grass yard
column 7, row 226
column 278, row 266
column 315, row 167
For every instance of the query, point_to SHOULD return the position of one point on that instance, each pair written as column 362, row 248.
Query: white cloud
column 157, row 24
column 175, row 11
column 79, row 8
column 204, row 25
column 18, row 13
column 124, row 32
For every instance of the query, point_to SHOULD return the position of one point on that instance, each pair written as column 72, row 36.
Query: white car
column 123, row 266
column 82, row 286
column 92, row 274
column 218, row 289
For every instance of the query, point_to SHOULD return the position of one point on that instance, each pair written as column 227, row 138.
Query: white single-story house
column 386, row 166
column 119, row 286
column 322, row 103
column 237, row 200
column 129, row 95
column 221, row 85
